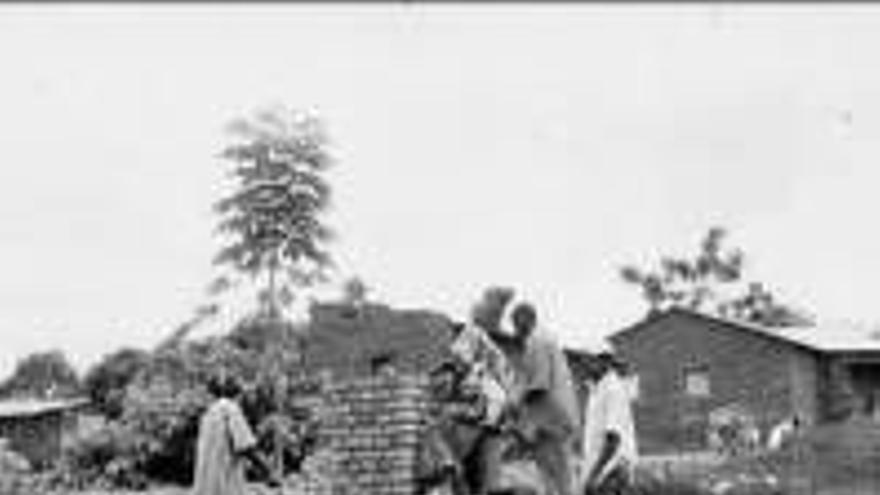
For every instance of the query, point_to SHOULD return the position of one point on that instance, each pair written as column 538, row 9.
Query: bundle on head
column 490, row 309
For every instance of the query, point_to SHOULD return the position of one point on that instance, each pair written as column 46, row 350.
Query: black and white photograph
column 439, row 248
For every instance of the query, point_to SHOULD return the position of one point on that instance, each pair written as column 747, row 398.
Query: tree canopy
column 45, row 374
column 273, row 221
column 106, row 382
column 696, row 282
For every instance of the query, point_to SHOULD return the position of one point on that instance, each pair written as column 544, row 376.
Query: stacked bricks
column 318, row 476
column 371, row 430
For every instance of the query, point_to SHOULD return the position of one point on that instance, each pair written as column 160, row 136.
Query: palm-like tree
column 273, row 219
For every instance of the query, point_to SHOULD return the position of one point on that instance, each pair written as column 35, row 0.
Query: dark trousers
column 554, row 458
column 616, row 483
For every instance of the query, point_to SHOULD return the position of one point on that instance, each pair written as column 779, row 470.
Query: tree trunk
column 280, row 388
column 273, row 289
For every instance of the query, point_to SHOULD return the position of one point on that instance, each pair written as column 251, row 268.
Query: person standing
column 546, row 397
column 781, row 434
column 225, row 442
column 609, row 444
column 489, row 377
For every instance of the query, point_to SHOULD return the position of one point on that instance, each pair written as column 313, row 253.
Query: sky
column 536, row 146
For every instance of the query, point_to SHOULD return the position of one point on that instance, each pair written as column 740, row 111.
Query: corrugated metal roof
column 834, row 336
column 24, row 407
column 826, row 336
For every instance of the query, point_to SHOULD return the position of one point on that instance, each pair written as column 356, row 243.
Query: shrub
column 153, row 435
column 42, row 374
column 106, row 382
column 164, row 402
column 14, row 471
column 111, row 456
column 164, row 420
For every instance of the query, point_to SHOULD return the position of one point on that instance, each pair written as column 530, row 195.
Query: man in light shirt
column 609, row 446
column 225, row 441
column 546, row 396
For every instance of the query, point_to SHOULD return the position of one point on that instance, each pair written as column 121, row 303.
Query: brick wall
column 346, row 341
column 806, row 374
column 370, row 429
column 768, row 377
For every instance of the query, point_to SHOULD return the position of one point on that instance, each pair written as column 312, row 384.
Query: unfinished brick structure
column 369, row 436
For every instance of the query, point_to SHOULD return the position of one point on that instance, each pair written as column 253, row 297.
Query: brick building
column 691, row 365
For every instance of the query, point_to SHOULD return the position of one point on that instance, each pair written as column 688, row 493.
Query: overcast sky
column 540, row 146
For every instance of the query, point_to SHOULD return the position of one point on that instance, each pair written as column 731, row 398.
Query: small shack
column 35, row 428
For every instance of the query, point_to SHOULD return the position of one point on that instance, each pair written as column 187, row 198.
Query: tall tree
column 688, row 281
column 697, row 282
column 273, row 219
column 43, row 374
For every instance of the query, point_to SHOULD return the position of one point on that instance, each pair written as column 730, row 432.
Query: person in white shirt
column 782, row 433
column 225, row 442
column 609, row 442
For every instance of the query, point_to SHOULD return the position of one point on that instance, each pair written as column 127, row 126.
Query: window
column 696, row 381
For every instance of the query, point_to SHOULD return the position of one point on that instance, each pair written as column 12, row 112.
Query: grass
column 841, row 459
column 256, row 490
column 838, row 459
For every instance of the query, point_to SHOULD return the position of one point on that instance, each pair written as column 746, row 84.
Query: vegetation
column 275, row 239
column 696, row 282
column 107, row 381
column 273, row 219
column 152, row 438
column 273, row 223
column 43, row 374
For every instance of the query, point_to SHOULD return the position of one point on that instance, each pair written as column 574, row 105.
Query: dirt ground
column 255, row 490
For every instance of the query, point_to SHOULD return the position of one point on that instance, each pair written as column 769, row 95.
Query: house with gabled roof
column 691, row 364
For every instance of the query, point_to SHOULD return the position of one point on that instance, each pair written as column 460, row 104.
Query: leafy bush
column 111, row 456
column 164, row 402
column 164, row 420
column 153, row 435
column 107, row 381
column 14, row 471
column 42, row 374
